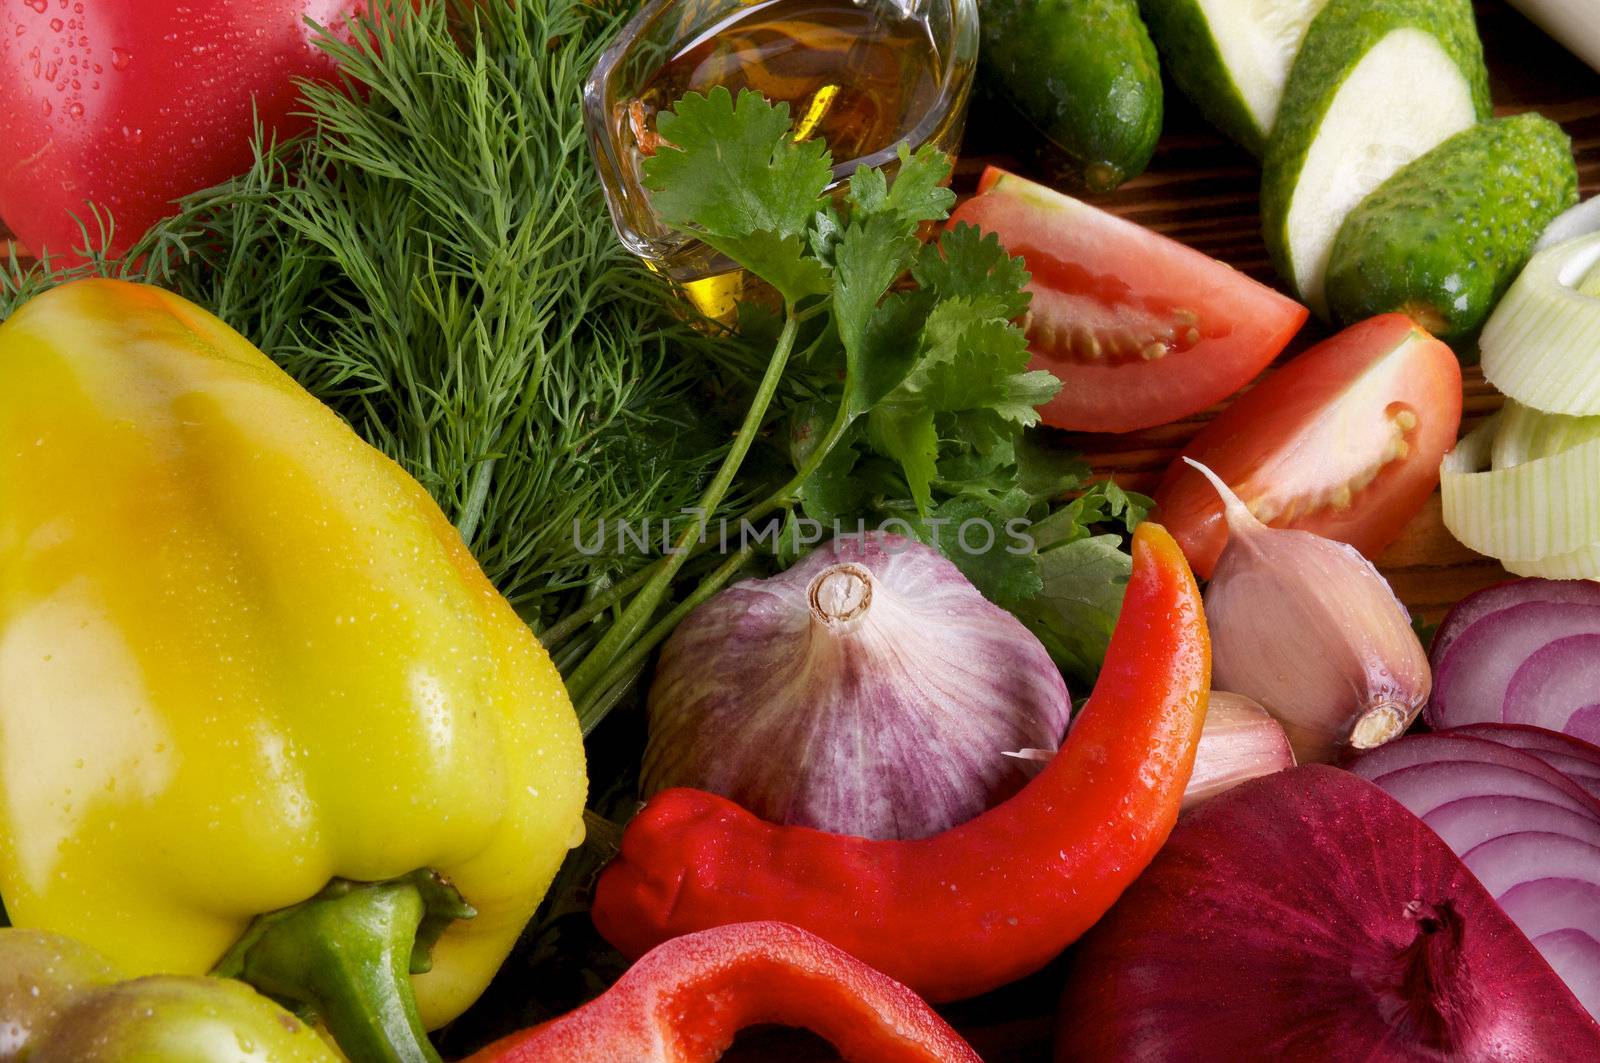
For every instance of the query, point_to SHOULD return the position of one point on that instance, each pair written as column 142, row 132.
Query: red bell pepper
column 686, row 999
column 129, row 104
column 988, row 901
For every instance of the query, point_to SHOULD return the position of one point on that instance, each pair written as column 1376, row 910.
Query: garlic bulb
column 1308, row 628
column 869, row 690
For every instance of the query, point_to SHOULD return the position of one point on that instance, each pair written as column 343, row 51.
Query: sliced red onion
column 1558, row 687
column 1306, row 915
column 1502, row 596
column 1475, row 673
column 1576, row 759
column 1527, row 832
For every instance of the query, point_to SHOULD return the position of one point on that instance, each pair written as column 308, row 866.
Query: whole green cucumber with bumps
column 1444, row 237
column 1377, row 83
column 1082, row 72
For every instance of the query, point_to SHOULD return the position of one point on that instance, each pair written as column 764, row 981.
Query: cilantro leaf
column 917, row 194
column 1082, row 584
column 909, row 436
column 888, row 348
column 973, row 360
column 833, row 492
column 732, row 169
column 781, row 261
column 965, row 263
column 869, row 257
column 1046, row 472
column 989, row 550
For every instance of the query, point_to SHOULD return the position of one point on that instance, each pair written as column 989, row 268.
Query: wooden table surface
column 1202, row 190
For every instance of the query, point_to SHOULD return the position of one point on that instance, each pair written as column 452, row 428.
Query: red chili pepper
column 129, row 104
column 685, row 1000
column 984, row 903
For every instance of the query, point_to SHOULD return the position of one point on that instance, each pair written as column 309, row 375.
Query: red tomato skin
column 1266, row 422
column 1075, row 250
column 130, row 104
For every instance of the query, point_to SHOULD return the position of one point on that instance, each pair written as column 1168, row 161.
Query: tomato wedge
column 1140, row 329
column 1344, row 441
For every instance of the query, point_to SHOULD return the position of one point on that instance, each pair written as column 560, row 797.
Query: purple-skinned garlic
column 868, row 690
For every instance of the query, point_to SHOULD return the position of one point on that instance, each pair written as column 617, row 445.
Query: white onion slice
column 1570, row 224
column 1535, row 510
column 1542, row 344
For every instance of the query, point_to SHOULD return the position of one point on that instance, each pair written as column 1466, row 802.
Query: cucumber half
column 1232, row 57
column 1377, row 84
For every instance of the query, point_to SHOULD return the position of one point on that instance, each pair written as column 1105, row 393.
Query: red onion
column 1529, row 834
column 869, row 690
column 1307, row 916
column 1573, row 757
column 1479, row 604
column 1523, row 652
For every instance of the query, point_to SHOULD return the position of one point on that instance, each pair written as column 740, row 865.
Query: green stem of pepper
column 616, row 642
column 347, row 955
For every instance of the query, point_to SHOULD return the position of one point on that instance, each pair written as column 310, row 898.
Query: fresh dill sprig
column 436, row 264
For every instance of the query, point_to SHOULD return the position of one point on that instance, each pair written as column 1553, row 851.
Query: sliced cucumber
column 1377, row 83
column 1542, row 345
column 1232, row 57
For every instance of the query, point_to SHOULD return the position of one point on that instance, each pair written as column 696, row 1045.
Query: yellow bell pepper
column 244, row 655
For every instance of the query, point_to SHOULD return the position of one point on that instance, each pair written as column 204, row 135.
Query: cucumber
column 1444, row 237
column 1231, row 57
column 1377, row 83
column 1084, row 74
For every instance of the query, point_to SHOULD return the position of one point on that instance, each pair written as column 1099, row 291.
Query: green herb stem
column 789, row 493
column 562, row 630
column 619, row 638
column 620, row 677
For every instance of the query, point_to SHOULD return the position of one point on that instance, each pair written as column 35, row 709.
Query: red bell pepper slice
column 986, row 902
column 686, row 999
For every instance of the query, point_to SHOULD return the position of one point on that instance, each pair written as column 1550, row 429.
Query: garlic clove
column 1240, row 741
column 1308, row 628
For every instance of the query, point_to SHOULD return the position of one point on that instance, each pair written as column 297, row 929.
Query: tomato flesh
column 1344, row 441
column 1140, row 329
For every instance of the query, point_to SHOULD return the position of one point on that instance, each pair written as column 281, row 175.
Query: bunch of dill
column 435, row 262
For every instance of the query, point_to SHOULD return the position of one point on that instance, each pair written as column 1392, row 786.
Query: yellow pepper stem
column 347, row 954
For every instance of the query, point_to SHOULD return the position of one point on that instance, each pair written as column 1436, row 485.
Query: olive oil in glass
column 861, row 77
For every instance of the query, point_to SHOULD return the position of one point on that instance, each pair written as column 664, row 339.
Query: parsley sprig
column 921, row 392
